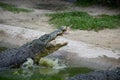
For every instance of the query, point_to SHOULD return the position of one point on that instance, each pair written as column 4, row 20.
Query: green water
column 41, row 73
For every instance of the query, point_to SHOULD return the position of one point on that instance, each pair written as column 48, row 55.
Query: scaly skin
column 13, row 57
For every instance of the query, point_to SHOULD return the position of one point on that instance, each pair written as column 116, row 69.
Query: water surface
column 41, row 73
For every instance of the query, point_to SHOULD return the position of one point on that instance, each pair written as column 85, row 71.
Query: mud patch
column 74, row 60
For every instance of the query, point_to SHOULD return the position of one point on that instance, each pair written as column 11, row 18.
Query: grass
column 3, row 49
column 85, row 3
column 13, row 8
column 108, row 3
column 83, row 21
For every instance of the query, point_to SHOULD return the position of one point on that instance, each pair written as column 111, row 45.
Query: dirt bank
column 75, row 53
column 37, row 20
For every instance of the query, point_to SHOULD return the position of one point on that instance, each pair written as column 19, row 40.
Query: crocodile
column 13, row 57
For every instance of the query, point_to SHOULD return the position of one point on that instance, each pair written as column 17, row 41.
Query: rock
column 99, row 75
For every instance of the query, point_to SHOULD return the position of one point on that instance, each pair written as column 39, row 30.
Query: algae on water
column 40, row 73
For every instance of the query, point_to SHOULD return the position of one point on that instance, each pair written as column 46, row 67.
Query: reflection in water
column 41, row 73
column 49, row 69
column 49, row 66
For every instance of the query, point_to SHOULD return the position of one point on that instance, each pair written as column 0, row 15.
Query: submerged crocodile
column 13, row 57
column 99, row 75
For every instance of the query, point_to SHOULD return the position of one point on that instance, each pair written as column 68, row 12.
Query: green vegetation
column 85, row 3
column 42, row 73
column 110, row 3
column 83, row 21
column 2, row 49
column 13, row 8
